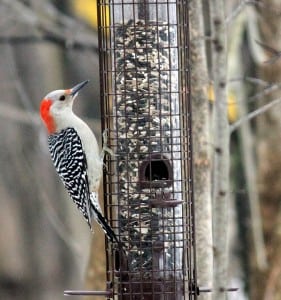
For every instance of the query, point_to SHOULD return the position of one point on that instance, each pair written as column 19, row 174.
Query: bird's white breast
column 89, row 143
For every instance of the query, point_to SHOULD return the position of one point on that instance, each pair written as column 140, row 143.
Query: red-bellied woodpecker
column 75, row 153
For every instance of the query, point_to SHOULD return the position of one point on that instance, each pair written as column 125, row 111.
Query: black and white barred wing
column 70, row 162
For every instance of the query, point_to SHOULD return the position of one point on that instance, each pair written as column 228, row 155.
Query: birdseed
column 147, row 123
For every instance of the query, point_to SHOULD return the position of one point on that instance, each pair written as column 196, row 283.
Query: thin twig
column 249, row 79
column 258, row 81
column 276, row 54
column 235, row 12
column 49, row 38
column 21, row 116
column 239, row 9
column 269, row 87
column 260, row 95
column 15, row 114
column 52, row 26
column 253, row 114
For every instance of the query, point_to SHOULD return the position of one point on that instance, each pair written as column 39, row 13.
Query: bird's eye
column 61, row 98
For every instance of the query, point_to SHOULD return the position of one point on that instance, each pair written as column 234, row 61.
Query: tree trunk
column 201, row 151
column 221, row 150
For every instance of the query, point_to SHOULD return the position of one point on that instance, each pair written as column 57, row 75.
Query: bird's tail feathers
column 106, row 227
column 101, row 219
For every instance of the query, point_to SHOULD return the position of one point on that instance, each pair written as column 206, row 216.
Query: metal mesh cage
column 148, row 183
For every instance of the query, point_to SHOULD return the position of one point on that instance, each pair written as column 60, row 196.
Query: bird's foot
column 105, row 148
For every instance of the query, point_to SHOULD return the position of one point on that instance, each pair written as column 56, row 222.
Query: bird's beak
column 78, row 87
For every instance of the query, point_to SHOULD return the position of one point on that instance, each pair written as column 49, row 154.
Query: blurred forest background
column 45, row 245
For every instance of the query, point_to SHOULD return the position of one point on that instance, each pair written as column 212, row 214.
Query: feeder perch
column 148, row 185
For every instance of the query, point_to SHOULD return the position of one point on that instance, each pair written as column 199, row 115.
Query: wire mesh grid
column 148, row 183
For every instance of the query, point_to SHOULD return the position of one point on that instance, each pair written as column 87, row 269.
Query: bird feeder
column 145, row 106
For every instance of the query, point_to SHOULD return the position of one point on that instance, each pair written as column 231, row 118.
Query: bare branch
column 52, row 26
column 239, row 9
column 49, row 38
column 253, row 32
column 266, row 91
column 253, row 114
column 21, row 116
column 268, row 87
column 276, row 54
column 18, row 115
column 258, row 81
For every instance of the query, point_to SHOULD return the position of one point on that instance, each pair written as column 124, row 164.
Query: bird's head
column 58, row 104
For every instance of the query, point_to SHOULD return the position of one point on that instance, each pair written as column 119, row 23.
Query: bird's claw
column 105, row 148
